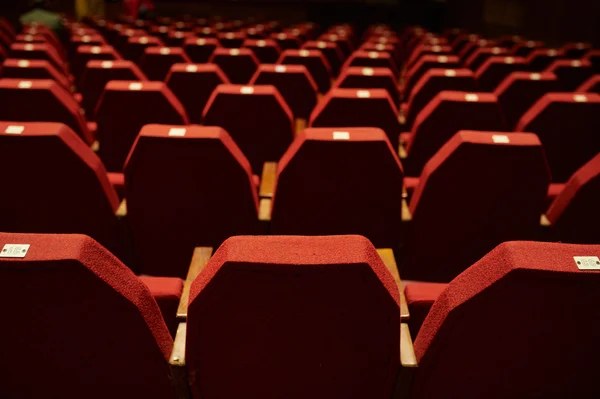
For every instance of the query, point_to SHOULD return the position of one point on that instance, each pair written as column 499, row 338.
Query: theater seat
column 231, row 39
column 372, row 59
column 294, row 83
column 176, row 38
column 200, row 50
column 494, row 331
column 571, row 73
column 568, row 126
column 540, row 59
column 321, row 309
column 41, row 100
column 89, row 53
column 427, row 49
column 256, row 117
column 47, row 52
column 524, row 48
column 420, row 297
column 593, row 56
column 342, row 42
column 576, row 50
column 137, row 45
column 84, row 40
column 480, row 189
column 124, row 108
column 339, row 181
column 574, row 214
column 473, row 46
column 370, row 78
column 592, row 85
column 425, row 63
column 239, row 64
column 330, row 51
column 315, row 63
column 358, row 108
column 157, row 61
column 266, row 51
column 287, row 40
column 481, row 55
column 34, row 69
column 62, row 186
column 92, row 328
column 496, row 68
column 448, row 113
column 176, row 198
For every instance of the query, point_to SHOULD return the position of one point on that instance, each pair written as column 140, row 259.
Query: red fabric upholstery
column 206, row 32
column 568, row 126
column 238, row 64
column 315, row 63
column 576, row 50
column 166, row 291
column 520, row 90
column 287, row 40
column 508, row 41
column 124, row 108
column 34, row 69
column 165, row 208
column 157, row 61
column 358, row 108
column 54, row 164
column 85, row 40
column 571, row 73
column 574, row 213
column 476, row 192
column 495, row 331
column 136, row 46
column 462, row 40
column 232, row 39
column 423, row 65
column 524, row 48
column 343, row 43
column 85, row 54
column 592, row 85
column 432, row 83
column 426, row 49
column 193, row 84
column 28, row 51
column 446, row 114
column 294, row 317
column 294, row 83
column 91, row 327
column 97, row 74
column 496, row 68
column 176, row 38
column 266, row 51
column 200, row 50
column 256, row 117
column 370, row 78
column 382, row 47
column 593, row 56
column 472, row 46
column 372, row 59
column 420, row 298
column 541, row 58
column 117, row 180
column 330, row 51
column 344, row 182
column 41, row 100
column 554, row 191
column 481, row 55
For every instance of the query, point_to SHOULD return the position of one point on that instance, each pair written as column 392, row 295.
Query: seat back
column 287, row 40
column 200, row 50
column 592, row 85
column 29, row 51
column 85, row 326
column 494, row 331
column 231, row 39
column 372, row 59
column 34, row 69
column 427, row 49
column 571, row 73
column 481, row 55
column 85, row 54
column 540, row 59
column 239, row 64
column 315, row 63
column 330, row 51
column 524, row 48
column 266, row 51
column 425, row 63
column 295, row 317
column 576, row 50
column 370, row 78
column 593, row 56
column 157, row 61
column 137, row 45
column 496, row 68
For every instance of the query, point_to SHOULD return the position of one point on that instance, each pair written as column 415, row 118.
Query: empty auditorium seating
column 157, row 61
column 136, row 46
column 480, row 189
column 576, row 50
column 92, row 328
column 524, row 48
column 567, row 124
column 34, row 69
column 571, row 73
column 481, row 55
column 124, row 108
column 266, row 51
column 372, row 59
column 425, row 63
column 472, row 46
column 85, row 40
column 41, row 100
column 342, row 42
column 231, row 39
column 540, row 59
column 512, row 293
column 370, row 78
column 427, row 49
column 315, row 63
column 85, row 54
column 287, row 40
column 592, row 85
column 520, row 90
column 330, row 51
column 593, row 56
column 256, row 117
column 346, row 181
column 574, row 213
column 496, row 68
column 294, row 83
column 446, row 114
column 238, row 64
column 176, row 38
column 176, row 198
column 276, row 290
column 358, row 108
column 38, row 52
column 200, row 50
column 206, row 32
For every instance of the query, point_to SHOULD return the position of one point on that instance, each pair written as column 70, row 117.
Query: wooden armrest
column 407, row 351
column 178, row 353
column 122, row 210
column 267, row 181
column 404, row 192
column 401, row 119
column 402, row 151
column 95, row 146
column 406, row 216
column 300, row 126
column 264, row 210
column 544, row 222
column 179, row 374
column 199, row 261
column 387, row 256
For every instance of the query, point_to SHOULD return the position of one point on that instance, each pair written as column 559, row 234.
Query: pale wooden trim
column 300, row 125
column 264, row 212
column 387, row 256
column 267, row 181
column 408, row 358
column 179, row 373
column 122, row 209
column 544, row 222
column 199, row 260
column 406, row 215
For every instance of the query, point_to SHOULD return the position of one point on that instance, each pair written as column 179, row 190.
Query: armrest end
column 199, row 260
column 406, row 215
column 122, row 210
column 264, row 211
column 267, row 182
column 387, row 256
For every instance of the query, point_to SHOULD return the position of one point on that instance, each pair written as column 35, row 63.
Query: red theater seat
column 576, row 50
column 231, row 39
column 540, row 59
column 263, row 298
column 342, row 42
column 446, row 114
column 524, row 48
column 593, row 56
column 424, row 64
column 481, row 55
column 472, row 46
column 287, row 40
column 239, row 64
column 494, row 331
column 370, row 78
column 315, row 63
column 34, row 69
column 480, row 189
column 427, row 49
column 193, row 85
column 200, row 50
column 571, row 73
column 176, row 38
column 294, row 83
column 206, row 32
column 97, row 74
column 340, row 182
column 330, row 51
column 574, row 214
column 592, row 85
column 89, row 53
column 372, row 59
column 136, row 46
column 85, row 40
column 94, row 321
column 157, row 61
column 266, row 51
column 568, row 126
column 256, row 117
column 420, row 297
column 45, row 52
column 382, row 47
column 41, row 101
column 124, row 108
column 358, row 108
column 176, row 198
column 520, row 90
column 62, row 186
column 462, row 40
column 495, row 69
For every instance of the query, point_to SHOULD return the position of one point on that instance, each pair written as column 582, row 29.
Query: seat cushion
column 420, row 298
column 166, row 291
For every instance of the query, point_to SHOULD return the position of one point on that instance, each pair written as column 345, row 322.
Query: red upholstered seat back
column 314, row 61
column 540, row 59
column 592, row 85
column 176, row 38
column 481, row 55
column 576, row 50
column 58, row 185
column 30, row 51
column 256, row 117
column 372, row 59
column 41, row 101
column 331, row 52
column 593, row 56
column 294, row 317
column 200, row 50
column 358, row 108
column 231, row 39
column 480, row 189
column 425, row 63
column 157, row 61
column 519, row 322
column 176, row 197
column 496, row 68
column 287, row 40
column 34, row 69
column 427, row 49
column 524, row 48
column 370, row 78
column 342, row 41
column 239, row 64
column 571, row 73
column 266, row 51
column 135, row 47
column 568, row 126
column 85, row 326
column 446, row 114
column 339, row 181
column 574, row 213
column 124, row 108
column 85, row 54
